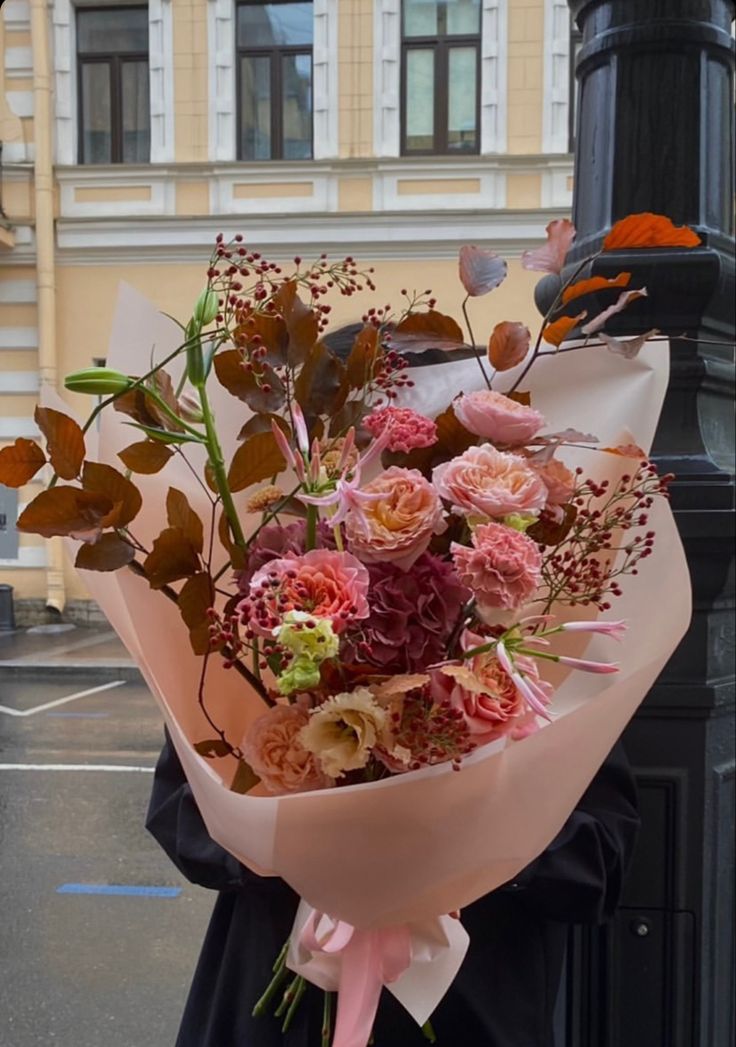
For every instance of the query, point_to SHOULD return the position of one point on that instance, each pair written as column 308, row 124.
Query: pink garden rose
column 497, row 418
column 398, row 527
column 323, row 582
column 486, row 696
column 503, row 567
column 558, row 480
column 491, row 483
column 273, row 749
column 407, row 428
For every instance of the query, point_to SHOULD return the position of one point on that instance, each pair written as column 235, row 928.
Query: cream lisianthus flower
column 343, row 730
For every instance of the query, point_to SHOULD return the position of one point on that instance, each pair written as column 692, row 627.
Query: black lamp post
column 655, row 132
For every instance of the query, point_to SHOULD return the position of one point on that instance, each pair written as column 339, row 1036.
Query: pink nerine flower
column 398, row 526
column 497, row 418
column 273, row 749
column 503, row 568
column 491, row 483
column 323, row 582
column 407, row 429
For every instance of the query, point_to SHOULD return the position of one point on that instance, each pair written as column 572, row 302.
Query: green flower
column 307, row 636
column 302, row 675
column 311, row 641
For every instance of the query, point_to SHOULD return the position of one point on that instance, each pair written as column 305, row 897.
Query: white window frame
column 223, row 108
column 556, row 95
column 161, row 77
column 387, row 77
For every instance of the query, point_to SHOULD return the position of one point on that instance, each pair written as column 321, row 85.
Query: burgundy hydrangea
column 412, row 614
column 274, row 542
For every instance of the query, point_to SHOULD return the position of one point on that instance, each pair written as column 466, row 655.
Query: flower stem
column 327, row 1020
column 298, row 993
column 429, row 1032
column 312, row 516
column 218, row 467
column 472, row 342
column 289, row 996
column 280, row 973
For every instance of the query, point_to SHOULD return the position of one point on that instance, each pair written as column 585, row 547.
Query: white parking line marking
column 60, row 701
column 75, row 767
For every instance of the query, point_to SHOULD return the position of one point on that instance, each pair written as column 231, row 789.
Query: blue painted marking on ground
column 78, row 716
column 119, row 889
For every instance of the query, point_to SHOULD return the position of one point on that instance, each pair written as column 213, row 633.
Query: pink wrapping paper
column 410, row 848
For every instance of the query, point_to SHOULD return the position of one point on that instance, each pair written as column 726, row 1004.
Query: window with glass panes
column 274, row 43
column 113, row 88
column 440, row 77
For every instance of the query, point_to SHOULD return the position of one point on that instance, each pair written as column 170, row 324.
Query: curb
column 17, row 670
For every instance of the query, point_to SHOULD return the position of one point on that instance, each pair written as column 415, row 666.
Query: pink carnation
column 491, row 483
column 498, row 418
column 326, row 583
column 503, row 568
column 407, row 428
column 398, row 526
column 272, row 748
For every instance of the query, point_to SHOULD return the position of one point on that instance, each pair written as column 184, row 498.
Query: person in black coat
column 505, row 992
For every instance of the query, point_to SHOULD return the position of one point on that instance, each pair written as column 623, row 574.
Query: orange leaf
column 245, row 778
column 20, row 462
column 595, row 283
column 64, row 441
column 649, row 230
column 103, row 479
column 232, row 374
column 520, row 396
column 302, row 323
column 196, row 597
column 362, row 357
column 179, row 514
column 108, row 553
column 147, row 456
column 430, row 330
column 480, row 270
column 509, row 343
column 557, row 332
column 255, row 460
column 268, row 331
column 550, row 258
column 171, row 558
column 66, row 511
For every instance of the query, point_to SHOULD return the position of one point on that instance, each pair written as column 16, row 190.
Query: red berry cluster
column 600, row 547
column 433, row 733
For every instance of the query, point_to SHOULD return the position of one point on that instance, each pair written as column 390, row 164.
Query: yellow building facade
column 133, row 132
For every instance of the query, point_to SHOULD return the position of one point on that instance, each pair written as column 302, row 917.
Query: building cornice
column 423, row 235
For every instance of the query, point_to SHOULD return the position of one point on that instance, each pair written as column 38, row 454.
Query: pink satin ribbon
column 369, row 960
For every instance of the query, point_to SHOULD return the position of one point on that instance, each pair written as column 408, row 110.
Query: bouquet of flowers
column 381, row 588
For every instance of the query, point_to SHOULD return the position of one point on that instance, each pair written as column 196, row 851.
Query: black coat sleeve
column 175, row 822
column 579, row 878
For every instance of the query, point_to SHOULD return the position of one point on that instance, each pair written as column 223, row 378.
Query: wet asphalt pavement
column 77, row 968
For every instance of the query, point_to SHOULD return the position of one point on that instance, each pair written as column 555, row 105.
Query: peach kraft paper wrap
column 407, row 850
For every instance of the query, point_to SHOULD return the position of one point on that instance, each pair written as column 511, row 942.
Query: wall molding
column 325, row 81
column 386, row 77
column 556, row 77
column 426, row 234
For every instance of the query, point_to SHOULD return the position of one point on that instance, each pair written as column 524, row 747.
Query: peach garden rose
column 490, row 483
column 498, row 418
column 398, row 527
column 273, row 749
